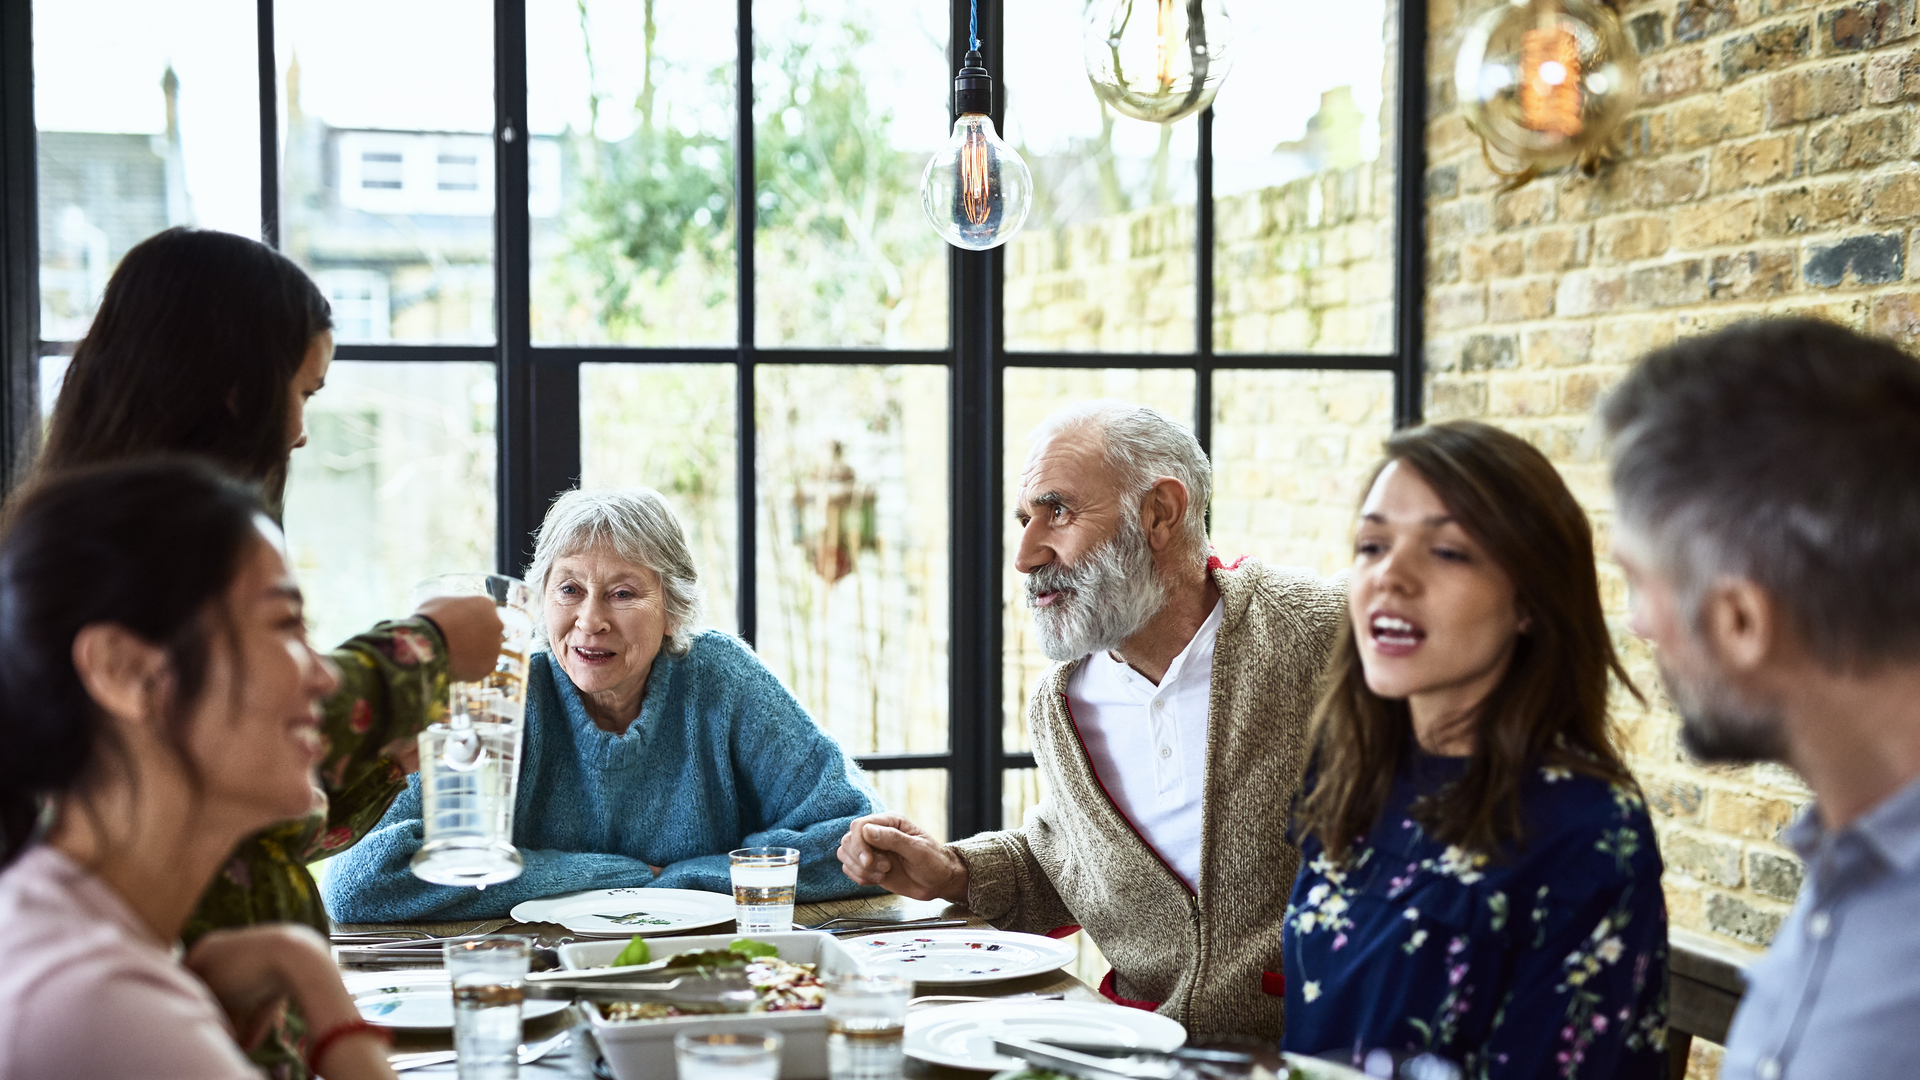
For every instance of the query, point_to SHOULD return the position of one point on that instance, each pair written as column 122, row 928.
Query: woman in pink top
column 157, row 705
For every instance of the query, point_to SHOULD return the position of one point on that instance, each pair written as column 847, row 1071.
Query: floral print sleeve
column 393, row 683
column 1548, row 963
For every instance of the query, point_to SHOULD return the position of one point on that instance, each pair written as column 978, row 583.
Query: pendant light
column 976, row 190
column 1547, row 83
column 1157, row 60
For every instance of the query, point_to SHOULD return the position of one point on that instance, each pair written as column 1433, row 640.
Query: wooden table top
column 893, row 907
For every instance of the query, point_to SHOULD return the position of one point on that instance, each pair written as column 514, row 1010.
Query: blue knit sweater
column 721, row 757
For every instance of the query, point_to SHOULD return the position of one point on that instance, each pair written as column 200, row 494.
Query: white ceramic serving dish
column 643, row 1049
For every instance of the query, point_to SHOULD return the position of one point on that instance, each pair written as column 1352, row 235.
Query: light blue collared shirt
column 1838, row 993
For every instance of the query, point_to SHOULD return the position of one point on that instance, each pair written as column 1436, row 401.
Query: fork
column 854, row 925
column 529, row 1053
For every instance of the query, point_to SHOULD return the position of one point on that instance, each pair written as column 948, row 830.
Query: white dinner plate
column 626, row 912
column 961, row 1036
column 417, row 998
column 960, row 956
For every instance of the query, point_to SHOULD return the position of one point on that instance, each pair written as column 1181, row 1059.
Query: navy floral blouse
column 1551, row 963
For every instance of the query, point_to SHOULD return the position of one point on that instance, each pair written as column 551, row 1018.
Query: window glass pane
column 920, row 795
column 386, row 162
column 1031, row 394
column 631, row 104
column 1291, row 451
column 671, row 427
column 852, row 554
column 1019, row 792
column 394, row 485
column 1303, row 181
column 52, row 372
column 148, row 116
column 1105, row 263
column 850, row 101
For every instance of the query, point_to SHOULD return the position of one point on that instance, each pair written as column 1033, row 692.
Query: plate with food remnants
column 960, row 956
column 626, row 912
column 417, row 998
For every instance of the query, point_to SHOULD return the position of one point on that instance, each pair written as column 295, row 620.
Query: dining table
column 560, row 1062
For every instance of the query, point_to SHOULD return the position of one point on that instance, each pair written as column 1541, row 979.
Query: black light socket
column 973, row 87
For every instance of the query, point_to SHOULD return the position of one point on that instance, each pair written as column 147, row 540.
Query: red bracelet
column 334, row 1034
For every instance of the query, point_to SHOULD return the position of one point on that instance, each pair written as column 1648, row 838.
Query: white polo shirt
column 1148, row 743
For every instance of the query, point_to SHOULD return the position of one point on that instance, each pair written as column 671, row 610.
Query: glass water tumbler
column 866, row 1025
column 489, row 977
column 764, row 880
column 727, row 1055
column 470, row 765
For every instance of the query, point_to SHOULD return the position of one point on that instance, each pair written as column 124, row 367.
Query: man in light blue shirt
column 1767, row 480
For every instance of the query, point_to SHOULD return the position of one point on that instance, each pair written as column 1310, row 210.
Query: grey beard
column 1716, row 726
column 1103, row 600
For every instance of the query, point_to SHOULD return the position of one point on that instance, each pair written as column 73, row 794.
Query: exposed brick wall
column 1769, row 169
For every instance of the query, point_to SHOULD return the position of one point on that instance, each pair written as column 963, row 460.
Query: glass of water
column 723, row 1055
column 866, row 1019
column 763, row 885
column 470, row 765
column 489, row 976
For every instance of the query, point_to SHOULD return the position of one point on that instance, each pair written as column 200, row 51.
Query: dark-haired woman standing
column 1478, row 873
column 210, row 344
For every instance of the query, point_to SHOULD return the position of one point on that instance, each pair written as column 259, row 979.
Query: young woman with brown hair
column 1478, row 873
column 211, row 344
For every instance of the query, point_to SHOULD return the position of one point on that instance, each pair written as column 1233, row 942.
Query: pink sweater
column 87, row 991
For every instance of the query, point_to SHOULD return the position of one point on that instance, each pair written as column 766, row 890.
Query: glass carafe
column 470, row 765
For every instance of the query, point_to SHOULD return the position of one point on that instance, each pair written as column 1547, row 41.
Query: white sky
column 427, row 64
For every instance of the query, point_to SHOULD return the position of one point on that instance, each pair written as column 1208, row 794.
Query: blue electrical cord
column 973, row 24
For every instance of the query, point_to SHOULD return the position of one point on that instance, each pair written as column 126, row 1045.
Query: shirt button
column 1769, row 1069
column 1158, row 704
column 1819, row 925
column 1166, row 751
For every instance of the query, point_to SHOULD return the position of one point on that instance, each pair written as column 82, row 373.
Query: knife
column 1086, row 1066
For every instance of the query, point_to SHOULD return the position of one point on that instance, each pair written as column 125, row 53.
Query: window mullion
column 1410, row 165
column 746, row 482
column 269, row 126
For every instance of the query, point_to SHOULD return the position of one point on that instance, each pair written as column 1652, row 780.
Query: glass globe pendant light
column 1547, row 82
column 1157, row 60
column 976, row 190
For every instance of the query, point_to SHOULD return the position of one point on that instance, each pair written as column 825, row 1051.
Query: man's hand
column 889, row 851
column 472, row 627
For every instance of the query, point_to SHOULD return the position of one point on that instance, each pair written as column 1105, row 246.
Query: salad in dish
column 781, row 986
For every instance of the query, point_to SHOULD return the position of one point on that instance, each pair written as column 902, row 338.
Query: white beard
column 1100, row 602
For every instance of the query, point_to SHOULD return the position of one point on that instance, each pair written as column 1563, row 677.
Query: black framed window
column 623, row 241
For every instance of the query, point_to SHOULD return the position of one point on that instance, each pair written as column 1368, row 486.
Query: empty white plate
column 625, row 912
column 960, row 956
column 417, row 998
column 961, row 1036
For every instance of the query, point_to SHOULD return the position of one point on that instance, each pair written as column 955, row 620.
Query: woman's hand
column 472, row 627
column 889, row 851
column 254, row 971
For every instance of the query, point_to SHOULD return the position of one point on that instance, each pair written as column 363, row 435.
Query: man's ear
column 1741, row 624
column 1162, row 511
column 122, row 671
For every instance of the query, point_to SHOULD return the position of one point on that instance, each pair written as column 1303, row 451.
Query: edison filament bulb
column 1547, row 81
column 1157, row 60
column 976, row 190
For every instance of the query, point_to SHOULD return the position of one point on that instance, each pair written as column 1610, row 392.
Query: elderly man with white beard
column 1170, row 733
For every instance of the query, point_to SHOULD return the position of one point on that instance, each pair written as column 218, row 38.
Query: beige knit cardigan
column 1077, row 859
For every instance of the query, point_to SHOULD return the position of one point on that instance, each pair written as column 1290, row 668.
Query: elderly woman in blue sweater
column 652, row 748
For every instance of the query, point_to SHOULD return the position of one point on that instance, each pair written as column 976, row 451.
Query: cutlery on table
column 725, row 990
column 881, row 926
column 529, row 1053
column 955, row 999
